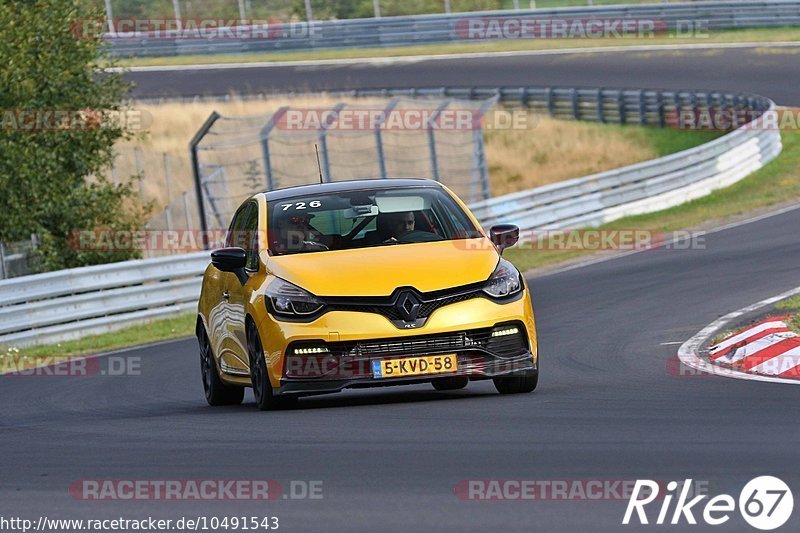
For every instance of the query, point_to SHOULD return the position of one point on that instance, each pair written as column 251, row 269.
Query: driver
column 400, row 224
column 297, row 232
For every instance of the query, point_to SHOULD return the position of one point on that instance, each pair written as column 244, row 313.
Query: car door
column 238, row 294
column 228, row 313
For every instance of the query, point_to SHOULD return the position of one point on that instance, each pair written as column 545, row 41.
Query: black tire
column 217, row 392
column 454, row 383
column 262, row 388
column 517, row 384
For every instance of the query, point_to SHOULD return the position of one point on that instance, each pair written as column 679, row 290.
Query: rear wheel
column 217, row 392
column 262, row 388
column 455, row 383
column 517, row 384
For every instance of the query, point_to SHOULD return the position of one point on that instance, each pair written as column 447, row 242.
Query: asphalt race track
column 607, row 408
column 771, row 72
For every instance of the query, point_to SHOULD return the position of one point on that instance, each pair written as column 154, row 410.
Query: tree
column 58, row 128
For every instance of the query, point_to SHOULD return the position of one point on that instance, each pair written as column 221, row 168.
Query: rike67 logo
column 765, row 503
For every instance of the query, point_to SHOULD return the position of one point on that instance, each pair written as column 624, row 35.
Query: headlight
column 505, row 281
column 290, row 300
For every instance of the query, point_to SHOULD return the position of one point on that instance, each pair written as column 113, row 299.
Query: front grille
column 478, row 339
column 387, row 306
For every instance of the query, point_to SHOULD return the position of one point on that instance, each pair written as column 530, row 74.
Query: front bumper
column 342, row 327
column 475, row 367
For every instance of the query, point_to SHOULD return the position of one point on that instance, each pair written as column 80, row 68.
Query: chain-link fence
column 18, row 258
column 440, row 139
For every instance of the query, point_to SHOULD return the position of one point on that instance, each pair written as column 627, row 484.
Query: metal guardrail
column 68, row 304
column 444, row 28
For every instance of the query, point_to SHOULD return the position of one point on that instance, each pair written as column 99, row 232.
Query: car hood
column 380, row 270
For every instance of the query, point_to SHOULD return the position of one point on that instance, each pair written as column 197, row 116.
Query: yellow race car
column 362, row 284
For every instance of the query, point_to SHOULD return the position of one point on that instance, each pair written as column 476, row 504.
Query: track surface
column 607, row 407
column 771, row 72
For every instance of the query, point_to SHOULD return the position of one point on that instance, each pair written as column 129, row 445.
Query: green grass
column 776, row 183
column 728, row 36
column 666, row 141
column 789, row 303
column 157, row 330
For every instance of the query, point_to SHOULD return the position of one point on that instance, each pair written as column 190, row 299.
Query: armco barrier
column 68, row 304
column 444, row 28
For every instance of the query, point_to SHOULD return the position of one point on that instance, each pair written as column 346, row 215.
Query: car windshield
column 365, row 218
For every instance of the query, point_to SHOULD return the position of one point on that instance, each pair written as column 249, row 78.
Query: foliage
column 60, row 120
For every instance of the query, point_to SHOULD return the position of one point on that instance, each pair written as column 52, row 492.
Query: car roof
column 341, row 186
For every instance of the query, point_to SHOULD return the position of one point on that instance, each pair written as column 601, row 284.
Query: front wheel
column 262, row 388
column 217, row 392
column 517, row 384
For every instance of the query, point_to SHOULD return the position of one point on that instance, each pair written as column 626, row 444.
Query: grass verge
column 728, row 36
column 774, row 184
column 157, row 330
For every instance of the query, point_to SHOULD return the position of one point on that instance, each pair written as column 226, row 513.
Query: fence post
column 186, row 212
column 480, row 172
column 201, row 133
column 379, row 137
column 137, row 154
column 2, row 261
column 168, row 176
column 177, row 9
column 265, row 154
column 432, row 141
column 323, row 142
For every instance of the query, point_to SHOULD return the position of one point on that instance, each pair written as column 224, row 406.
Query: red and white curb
column 766, row 351
column 768, row 348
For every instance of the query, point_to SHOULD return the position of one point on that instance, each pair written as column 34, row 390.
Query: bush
column 53, row 175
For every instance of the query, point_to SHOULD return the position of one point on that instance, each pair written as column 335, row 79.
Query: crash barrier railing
column 444, row 28
column 68, row 304
column 641, row 188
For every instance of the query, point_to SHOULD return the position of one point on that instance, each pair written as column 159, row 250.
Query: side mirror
column 231, row 260
column 504, row 236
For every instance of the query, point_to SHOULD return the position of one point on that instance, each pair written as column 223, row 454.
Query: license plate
column 414, row 366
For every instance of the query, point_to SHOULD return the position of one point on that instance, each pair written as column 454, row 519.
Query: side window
column 235, row 237
column 251, row 233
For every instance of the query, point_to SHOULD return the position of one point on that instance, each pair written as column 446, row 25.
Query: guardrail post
column 550, row 103
column 601, row 116
column 432, row 141
column 323, row 142
column 201, row 133
column 576, row 113
column 642, row 108
column 524, row 97
column 379, row 137
column 660, row 103
column 621, row 106
column 265, row 154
